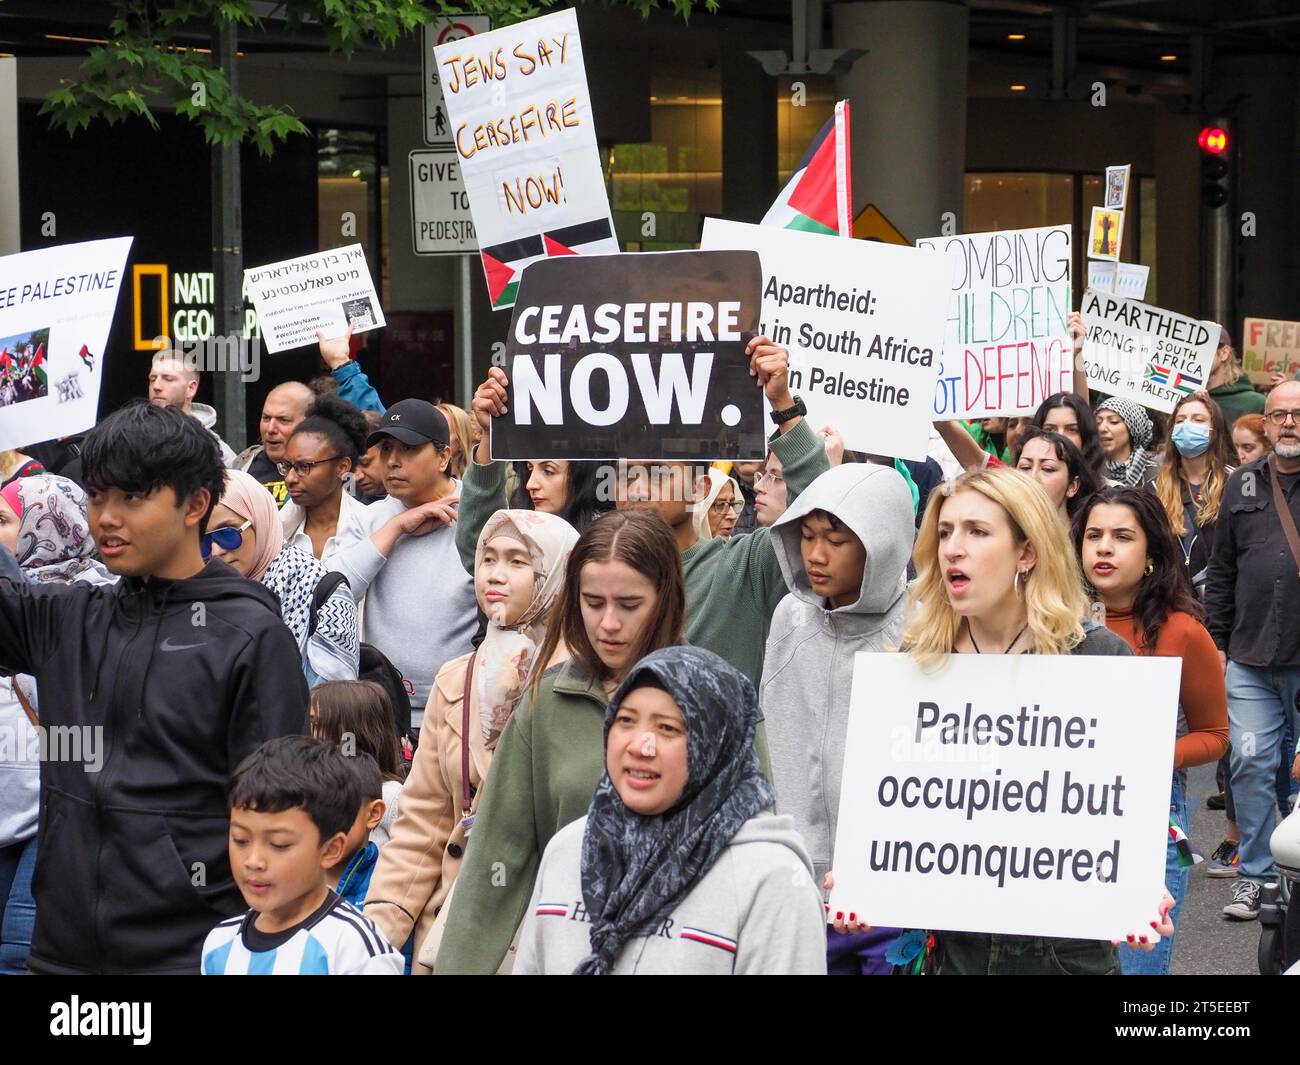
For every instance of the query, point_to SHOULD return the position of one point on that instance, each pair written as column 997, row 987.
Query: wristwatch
column 780, row 417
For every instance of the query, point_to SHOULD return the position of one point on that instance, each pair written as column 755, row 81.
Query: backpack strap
column 325, row 587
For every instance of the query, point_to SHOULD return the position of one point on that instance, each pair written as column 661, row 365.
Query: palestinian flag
column 87, row 357
column 39, row 357
column 502, row 265
column 1186, row 856
column 819, row 196
column 1186, row 383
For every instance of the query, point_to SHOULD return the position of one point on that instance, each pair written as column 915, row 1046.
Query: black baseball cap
column 413, row 422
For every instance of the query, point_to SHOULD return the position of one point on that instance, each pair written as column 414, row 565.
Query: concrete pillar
column 10, row 235
column 749, row 170
column 908, row 96
column 1265, row 147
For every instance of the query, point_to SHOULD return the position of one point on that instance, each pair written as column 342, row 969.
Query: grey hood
column 874, row 502
column 206, row 416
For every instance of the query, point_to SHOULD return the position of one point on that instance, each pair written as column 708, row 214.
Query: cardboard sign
column 1007, row 347
column 440, row 218
column 864, row 323
column 324, row 291
column 1117, row 182
column 521, row 122
column 437, row 128
column 1107, row 229
column 1011, row 794
column 634, row 356
column 1151, row 356
column 1120, row 279
column 1269, row 347
column 56, row 310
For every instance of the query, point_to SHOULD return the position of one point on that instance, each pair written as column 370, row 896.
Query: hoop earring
column 1021, row 575
column 1150, row 568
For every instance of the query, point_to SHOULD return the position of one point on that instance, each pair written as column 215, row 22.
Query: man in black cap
column 420, row 608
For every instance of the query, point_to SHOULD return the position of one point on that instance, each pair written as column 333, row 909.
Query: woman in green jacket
column 623, row 597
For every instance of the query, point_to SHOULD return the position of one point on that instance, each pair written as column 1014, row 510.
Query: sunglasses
column 227, row 539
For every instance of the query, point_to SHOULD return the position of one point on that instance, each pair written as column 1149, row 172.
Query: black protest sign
column 634, row 356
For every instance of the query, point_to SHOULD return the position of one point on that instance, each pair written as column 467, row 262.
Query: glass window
column 797, row 123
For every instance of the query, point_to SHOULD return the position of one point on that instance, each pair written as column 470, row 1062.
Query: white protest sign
column 1011, row 794
column 56, row 310
column 1121, row 279
column 324, row 291
column 440, row 218
column 1268, row 347
column 1007, row 347
column 864, row 324
column 437, row 128
column 521, row 122
column 1143, row 353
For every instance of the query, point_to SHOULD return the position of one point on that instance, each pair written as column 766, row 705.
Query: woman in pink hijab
column 245, row 533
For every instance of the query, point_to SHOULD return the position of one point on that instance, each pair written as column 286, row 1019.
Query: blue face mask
column 1191, row 439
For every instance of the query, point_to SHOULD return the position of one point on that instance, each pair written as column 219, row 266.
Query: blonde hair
column 464, row 435
column 1054, row 596
column 1220, row 462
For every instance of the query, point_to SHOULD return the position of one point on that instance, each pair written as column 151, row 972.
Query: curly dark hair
column 1164, row 590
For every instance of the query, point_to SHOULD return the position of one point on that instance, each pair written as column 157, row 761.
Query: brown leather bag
column 1284, row 514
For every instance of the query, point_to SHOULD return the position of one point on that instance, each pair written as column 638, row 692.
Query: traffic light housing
column 1215, row 168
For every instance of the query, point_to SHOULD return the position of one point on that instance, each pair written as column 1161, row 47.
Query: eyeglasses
column 1279, row 417
column 304, row 468
column 228, row 539
column 722, row 505
column 771, row 478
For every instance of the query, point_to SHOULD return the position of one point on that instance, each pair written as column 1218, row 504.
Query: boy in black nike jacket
column 151, row 692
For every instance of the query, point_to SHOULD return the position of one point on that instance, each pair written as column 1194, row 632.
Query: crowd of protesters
column 364, row 699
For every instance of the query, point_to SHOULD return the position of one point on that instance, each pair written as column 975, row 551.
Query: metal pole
column 1218, row 253
column 228, row 259
column 465, row 332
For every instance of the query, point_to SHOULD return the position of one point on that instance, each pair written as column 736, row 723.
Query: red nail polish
column 839, row 916
column 853, row 916
column 1130, row 939
column 1155, row 926
column 1143, row 939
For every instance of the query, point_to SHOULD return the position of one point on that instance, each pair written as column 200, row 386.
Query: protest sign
column 634, row 356
column 1106, row 230
column 864, row 322
column 1007, row 347
column 1143, row 353
column 327, row 291
column 521, row 121
column 56, row 309
column 1009, row 794
column 1117, row 182
column 1270, row 347
column 1120, row 279
column 440, row 218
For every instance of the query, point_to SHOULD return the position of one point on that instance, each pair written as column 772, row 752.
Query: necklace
column 971, row 633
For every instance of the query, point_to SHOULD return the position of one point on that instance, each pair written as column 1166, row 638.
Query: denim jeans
column 981, row 954
column 17, row 907
column 1135, row 962
column 1260, row 702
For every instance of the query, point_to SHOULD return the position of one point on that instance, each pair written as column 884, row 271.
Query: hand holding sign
column 770, row 363
column 336, row 351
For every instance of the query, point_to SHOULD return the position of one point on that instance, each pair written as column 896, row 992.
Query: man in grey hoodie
column 172, row 383
column 843, row 548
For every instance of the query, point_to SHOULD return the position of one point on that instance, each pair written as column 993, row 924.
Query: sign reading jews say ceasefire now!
column 520, row 117
column 1151, row 356
column 635, row 356
column 1007, row 347
column 864, row 325
column 1009, row 794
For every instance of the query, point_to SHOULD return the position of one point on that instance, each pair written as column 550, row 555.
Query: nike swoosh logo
column 167, row 645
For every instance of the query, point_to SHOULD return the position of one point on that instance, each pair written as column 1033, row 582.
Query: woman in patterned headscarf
column 43, row 523
column 245, row 532
column 1125, row 430
column 677, row 867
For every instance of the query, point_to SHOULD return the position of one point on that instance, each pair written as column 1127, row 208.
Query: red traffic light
column 1212, row 139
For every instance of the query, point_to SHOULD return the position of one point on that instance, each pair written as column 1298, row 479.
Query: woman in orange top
column 1135, row 566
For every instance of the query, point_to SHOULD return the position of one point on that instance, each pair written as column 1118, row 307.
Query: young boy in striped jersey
column 292, row 802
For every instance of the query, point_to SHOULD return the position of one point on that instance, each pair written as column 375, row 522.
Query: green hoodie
column 1238, row 398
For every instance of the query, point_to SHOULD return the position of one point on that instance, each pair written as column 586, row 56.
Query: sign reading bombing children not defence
column 1007, row 347
column 636, row 356
column 56, row 309
column 520, row 118
column 328, row 290
column 864, row 323
column 1151, row 356
column 1018, row 795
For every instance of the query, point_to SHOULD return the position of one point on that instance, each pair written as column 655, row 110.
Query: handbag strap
column 1284, row 514
column 466, row 799
column 25, row 703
